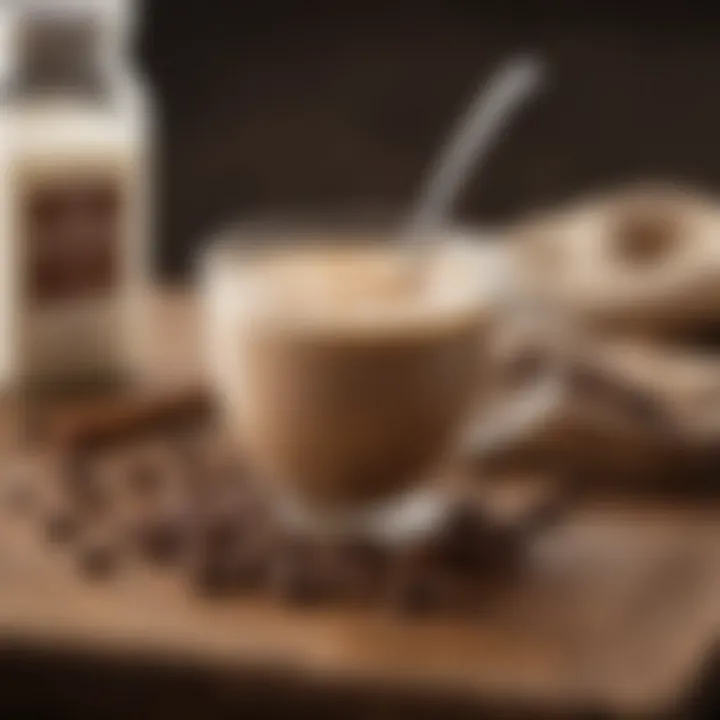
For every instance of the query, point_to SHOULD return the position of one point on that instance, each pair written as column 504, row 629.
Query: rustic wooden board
column 619, row 608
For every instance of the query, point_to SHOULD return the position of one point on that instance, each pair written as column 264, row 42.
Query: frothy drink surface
column 362, row 288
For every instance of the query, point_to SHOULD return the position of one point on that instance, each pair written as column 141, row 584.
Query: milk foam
column 355, row 288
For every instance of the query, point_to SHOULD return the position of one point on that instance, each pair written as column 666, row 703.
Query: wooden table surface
column 618, row 611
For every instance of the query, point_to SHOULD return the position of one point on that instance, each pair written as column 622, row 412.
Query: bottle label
column 73, row 230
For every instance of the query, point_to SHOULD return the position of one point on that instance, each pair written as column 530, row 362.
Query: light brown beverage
column 347, row 371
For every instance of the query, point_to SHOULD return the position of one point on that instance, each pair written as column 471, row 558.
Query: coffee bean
column 358, row 568
column 414, row 596
column 195, row 505
column 84, row 485
column 359, row 550
column 209, row 573
column 97, row 558
column 292, row 575
column 492, row 552
column 463, row 541
column 218, row 530
column 144, row 479
column 222, row 555
column 62, row 524
column 162, row 527
column 161, row 538
column 413, row 588
column 247, row 564
column 190, row 451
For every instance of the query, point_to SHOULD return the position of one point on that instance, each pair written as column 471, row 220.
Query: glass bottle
column 75, row 126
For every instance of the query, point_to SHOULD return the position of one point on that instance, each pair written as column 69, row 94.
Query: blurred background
column 268, row 105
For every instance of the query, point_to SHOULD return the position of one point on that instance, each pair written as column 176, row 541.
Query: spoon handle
column 472, row 137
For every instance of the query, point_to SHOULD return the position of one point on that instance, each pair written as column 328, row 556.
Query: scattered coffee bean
column 193, row 505
column 84, row 485
column 464, row 540
column 97, row 558
column 247, row 563
column 357, row 569
column 192, row 462
column 162, row 526
column 211, row 574
column 161, row 538
column 414, row 587
column 226, row 483
column 221, row 556
column 292, row 575
column 62, row 524
column 144, row 479
column 218, row 529
column 191, row 450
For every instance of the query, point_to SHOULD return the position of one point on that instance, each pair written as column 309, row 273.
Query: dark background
column 306, row 105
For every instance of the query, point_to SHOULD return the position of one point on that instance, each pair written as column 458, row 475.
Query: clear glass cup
column 348, row 361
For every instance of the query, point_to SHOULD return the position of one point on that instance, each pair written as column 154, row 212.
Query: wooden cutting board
column 618, row 610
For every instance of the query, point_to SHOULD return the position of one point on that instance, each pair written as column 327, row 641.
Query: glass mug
column 348, row 365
